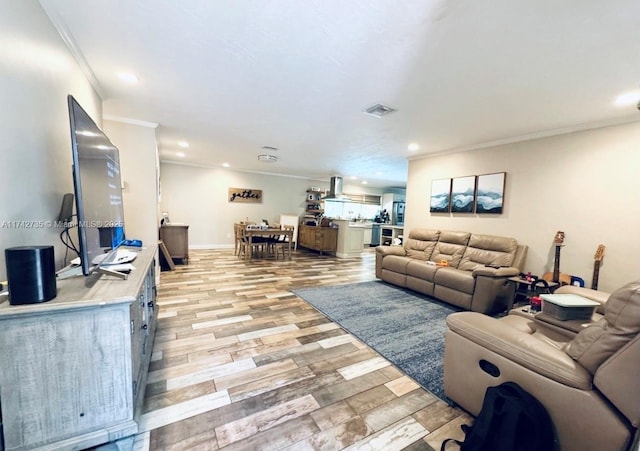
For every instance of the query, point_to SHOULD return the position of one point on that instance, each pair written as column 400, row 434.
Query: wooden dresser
column 321, row 239
column 176, row 239
column 74, row 369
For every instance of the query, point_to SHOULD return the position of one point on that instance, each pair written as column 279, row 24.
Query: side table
column 522, row 290
column 176, row 240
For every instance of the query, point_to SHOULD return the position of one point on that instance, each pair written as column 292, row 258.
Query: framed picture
column 245, row 195
column 490, row 193
column 463, row 194
column 440, row 196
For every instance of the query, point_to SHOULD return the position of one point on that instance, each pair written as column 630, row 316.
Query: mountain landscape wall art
column 440, row 195
column 463, row 190
column 490, row 193
column 470, row 194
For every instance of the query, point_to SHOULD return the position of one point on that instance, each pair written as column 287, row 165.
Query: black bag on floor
column 511, row 419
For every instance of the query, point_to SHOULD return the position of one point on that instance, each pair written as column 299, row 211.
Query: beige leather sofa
column 589, row 382
column 467, row 281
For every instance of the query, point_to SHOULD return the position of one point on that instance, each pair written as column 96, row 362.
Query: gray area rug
column 407, row 328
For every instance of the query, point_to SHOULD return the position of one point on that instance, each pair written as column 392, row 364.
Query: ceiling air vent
column 378, row 110
column 267, row 158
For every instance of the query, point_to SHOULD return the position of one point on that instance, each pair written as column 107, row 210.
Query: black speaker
column 31, row 274
column 66, row 209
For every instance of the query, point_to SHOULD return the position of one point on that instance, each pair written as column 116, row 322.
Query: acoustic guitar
column 597, row 259
column 556, row 275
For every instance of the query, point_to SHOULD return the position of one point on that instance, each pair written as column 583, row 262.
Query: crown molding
column 246, row 171
column 533, row 136
column 71, row 44
column 126, row 120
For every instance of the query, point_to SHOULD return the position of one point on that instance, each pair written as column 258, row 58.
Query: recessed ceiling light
column 127, row 77
column 364, row 182
column 226, row 165
column 353, row 177
column 267, row 158
column 183, row 144
column 180, row 154
column 628, row 98
column 413, row 147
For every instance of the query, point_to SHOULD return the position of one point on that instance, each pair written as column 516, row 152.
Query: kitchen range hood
column 335, row 188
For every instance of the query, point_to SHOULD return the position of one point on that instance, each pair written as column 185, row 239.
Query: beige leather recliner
column 589, row 382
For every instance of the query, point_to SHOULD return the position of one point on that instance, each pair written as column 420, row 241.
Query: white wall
column 198, row 196
column 36, row 74
column 139, row 166
column 586, row 184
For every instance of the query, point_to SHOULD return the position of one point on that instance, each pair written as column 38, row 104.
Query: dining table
column 268, row 232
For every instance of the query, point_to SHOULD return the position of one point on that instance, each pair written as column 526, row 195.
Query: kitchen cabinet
column 368, row 234
column 388, row 199
column 321, row 239
column 74, row 368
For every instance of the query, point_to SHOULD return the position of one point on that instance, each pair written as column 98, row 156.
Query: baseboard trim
column 210, row 246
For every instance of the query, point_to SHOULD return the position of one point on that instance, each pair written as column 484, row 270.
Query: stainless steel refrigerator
column 397, row 214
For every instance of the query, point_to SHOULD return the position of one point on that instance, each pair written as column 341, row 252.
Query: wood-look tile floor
column 241, row 363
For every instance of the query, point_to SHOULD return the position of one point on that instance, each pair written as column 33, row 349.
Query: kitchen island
column 352, row 237
column 317, row 238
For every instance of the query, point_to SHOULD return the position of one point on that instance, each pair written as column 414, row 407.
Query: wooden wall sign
column 245, row 195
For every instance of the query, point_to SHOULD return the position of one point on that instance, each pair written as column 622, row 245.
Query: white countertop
column 349, row 223
column 364, row 225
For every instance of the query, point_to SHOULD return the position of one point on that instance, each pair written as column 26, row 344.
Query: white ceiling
column 232, row 76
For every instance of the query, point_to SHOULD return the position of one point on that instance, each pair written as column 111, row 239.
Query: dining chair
column 291, row 220
column 283, row 242
column 241, row 240
column 238, row 244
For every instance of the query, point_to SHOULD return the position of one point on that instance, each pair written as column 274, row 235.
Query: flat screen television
column 98, row 190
